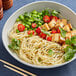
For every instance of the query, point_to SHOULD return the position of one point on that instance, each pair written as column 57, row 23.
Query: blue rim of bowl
column 28, row 64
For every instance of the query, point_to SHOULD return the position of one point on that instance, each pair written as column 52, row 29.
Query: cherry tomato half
column 49, row 38
column 42, row 35
column 56, row 18
column 54, row 31
column 31, row 32
column 46, row 19
column 38, row 30
column 21, row 27
column 34, row 25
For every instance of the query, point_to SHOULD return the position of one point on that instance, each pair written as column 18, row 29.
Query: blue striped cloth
column 67, row 70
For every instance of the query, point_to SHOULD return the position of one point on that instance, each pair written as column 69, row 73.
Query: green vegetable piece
column 18, row 19
column 34, row 15
column 39, row 23
column 69, row 54
column 40, row 13
column 39, row 59
column 26, row 19
column 17, row 31
column 73, row 40
column 74, row 50
column 63, row 33
column 25, row 29
column 66, row 49
column 27, row 26
column 50, row 52
column 71, row 49
column 21, row 17
column 29, row 23
column 37, row 20
column 68, row 41
column 10, row 46
column 34, row 12
column 27, row 14
column 48, row 33
column 29, row 29
column 24, row 23
column 54, row 13
column 31, row 20
column 45, row 12
column 15, row 44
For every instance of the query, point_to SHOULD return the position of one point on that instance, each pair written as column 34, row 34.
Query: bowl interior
column 39, row 6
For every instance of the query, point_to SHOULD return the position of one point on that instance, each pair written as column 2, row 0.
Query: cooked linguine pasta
column 34, row 50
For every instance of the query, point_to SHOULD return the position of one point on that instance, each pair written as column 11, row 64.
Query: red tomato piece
column 58, row 31
column 34, row 25
column 38, row 30
column 46, row 19
column 42, row 35
column 49, row 38
column 21, row 27
column 56, row 18
column 54, row 31
column 51, row 17
column 31, row 32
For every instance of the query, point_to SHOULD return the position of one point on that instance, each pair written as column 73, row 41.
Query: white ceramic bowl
column 39, row 6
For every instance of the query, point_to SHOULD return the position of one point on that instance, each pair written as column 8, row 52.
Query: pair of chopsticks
column 16, row 69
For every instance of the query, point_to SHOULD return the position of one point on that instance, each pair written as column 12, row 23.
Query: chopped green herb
column 63, row 32
column 70, row 50
column 68, row 41
column 39, row 59
column 17, row 31
column 48, row 33
column 50, row 52
column 15, row 44
column 73, row 40
column 69, row 54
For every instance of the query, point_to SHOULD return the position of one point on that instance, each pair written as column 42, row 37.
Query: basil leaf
column 15, row 44
column 74, row 50
column 45, row 32
column 66, row 49
column 68, row 41
column 73, row 40
column 50, row 52
column 71, row 49
column 69, row 54
column 63, row 33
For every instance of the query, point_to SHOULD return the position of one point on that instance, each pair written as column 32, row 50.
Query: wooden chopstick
column 17, row 67
column 15, row 70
